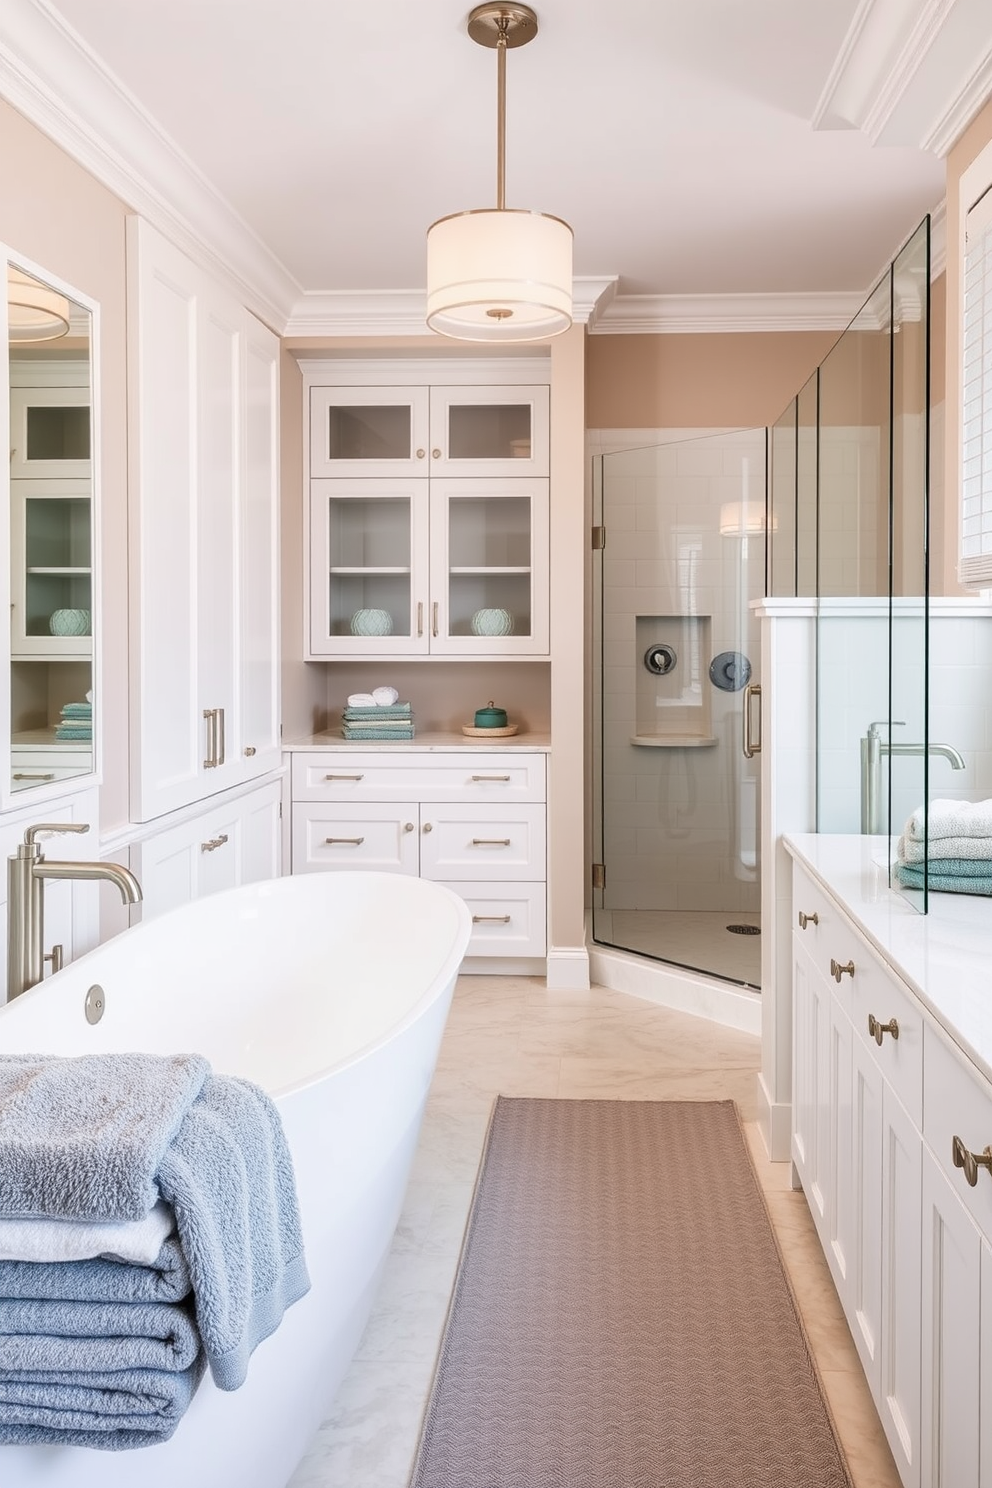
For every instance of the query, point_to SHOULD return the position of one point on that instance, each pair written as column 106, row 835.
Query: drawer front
column 957, row 1102
column 464, row 775
column 507, row 919
column 827, row 936
column 346, row 836
column 466, row 843
column 876, row 995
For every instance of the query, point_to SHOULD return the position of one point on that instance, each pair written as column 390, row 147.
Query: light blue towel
column 356, row 731
column 100, row 1280
column 912, row 875
column 228, row 1175
column 110, row 1409
column 84, row 1138
column 60, row 1338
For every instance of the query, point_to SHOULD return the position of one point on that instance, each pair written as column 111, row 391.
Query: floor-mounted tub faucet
column 873, row 746
column 26, row 871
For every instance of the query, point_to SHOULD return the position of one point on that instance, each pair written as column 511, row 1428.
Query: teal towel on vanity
column 84, row 1138
column 384, row 710
column 111, row 1409
column 978, row 880
column 100, row 1280
column 355, row 731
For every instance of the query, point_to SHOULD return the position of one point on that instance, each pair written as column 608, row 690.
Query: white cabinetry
column 474, row 821
column 429, row 515
column 203, row 441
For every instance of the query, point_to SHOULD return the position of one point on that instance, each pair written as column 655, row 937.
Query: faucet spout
column 115, row 873
column 946, row 751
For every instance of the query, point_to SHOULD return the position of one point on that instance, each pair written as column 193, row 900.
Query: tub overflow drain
column 95, row 1004
column 744, row 929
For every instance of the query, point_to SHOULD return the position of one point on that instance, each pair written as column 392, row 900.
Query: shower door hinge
column 598, row 538
column 599, row 875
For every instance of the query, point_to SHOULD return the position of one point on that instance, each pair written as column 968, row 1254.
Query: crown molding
column 690, row 314
column 910, row 72
column 58, row 83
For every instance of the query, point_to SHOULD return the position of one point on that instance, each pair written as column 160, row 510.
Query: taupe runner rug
column 620, row 1317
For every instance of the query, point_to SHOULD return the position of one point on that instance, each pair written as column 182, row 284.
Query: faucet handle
column 31, row 833
column 885, row 723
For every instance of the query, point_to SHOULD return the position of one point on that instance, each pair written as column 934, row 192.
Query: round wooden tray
column 489, row 733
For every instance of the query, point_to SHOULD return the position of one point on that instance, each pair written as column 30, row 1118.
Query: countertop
column 425, row 741
column 944, row 956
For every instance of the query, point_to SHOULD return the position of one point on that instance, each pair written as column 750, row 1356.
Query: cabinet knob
column 436, row 453
column 963, row 1157
column 408, row 826
column 837, row 971
column 808, row 919
column 428, row 827
column 879, row 1030
column 420, row 454
column 249, row 750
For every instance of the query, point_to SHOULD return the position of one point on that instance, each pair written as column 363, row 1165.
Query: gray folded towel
column 104, row 1280
column 64, row 1337
column 84, row 1138
column 111, row 1409
column 229, row 1177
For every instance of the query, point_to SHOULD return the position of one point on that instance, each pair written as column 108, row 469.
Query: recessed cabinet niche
column 429, row 516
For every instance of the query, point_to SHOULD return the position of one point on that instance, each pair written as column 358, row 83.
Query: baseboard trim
column 671, row 987
column 502, row 966
column 774, row 1123
column 568, row 969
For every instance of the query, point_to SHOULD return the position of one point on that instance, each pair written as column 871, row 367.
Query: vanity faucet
column 26, row 871
column 873, row 746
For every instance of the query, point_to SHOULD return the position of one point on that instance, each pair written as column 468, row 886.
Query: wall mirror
column 51, row 491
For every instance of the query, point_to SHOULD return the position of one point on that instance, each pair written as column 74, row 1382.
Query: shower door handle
column 751, row 747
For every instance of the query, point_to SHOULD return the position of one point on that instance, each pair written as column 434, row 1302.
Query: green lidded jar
column 490, row 717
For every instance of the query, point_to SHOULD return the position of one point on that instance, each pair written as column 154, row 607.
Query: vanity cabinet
column 429, row 516
column 473, row 821
column 203, row 441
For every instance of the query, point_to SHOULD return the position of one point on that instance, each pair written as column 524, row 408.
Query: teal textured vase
column 492, row 623
column 371, row 623
column 69, row 623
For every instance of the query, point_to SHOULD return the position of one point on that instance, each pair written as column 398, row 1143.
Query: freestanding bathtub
column 331, row 991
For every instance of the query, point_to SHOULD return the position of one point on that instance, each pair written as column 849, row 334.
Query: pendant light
column 34, row 312
column 500, row 274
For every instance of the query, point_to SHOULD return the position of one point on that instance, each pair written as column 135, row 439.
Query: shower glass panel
column 783, row 489
column 677, row 814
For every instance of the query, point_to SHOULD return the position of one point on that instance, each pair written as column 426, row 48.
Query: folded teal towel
column 100, row 1280
column 228, row 1175
column 384, row 710
column 113, row 1409
column 912, row 875
column 70, row 731
column 77, row 710
column 358, row 731
column 84, row 1138
column 60, row 1337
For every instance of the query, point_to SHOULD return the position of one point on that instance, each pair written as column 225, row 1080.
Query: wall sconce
column 500, row 274
column 34, row 312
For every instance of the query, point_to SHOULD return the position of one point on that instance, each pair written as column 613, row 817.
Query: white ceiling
column 676, row 136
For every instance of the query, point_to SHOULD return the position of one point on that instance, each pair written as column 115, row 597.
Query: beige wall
column 55, row 213
column 707, row 381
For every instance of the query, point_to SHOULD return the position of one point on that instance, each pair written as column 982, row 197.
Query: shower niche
column 673, row 696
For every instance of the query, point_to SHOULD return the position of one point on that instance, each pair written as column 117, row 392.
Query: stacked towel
column 954, row 840
column 77, row 721
column 378, row 720
column 107, row 1352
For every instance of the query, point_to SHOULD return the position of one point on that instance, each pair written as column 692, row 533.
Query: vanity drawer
column 466, row 843
column 827, row 939
column 508, row 919
column 463, row 775
column 875, row 994
column 356, row 836
column 957, row 1102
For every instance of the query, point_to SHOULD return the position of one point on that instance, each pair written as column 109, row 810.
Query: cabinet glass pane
column 497, row 604
column 44, row 593
column 57, row 532
column 370, row 604
column 373, row 533
column 498, row 431
column 373, row 433
column 489, row 553
column 58, row 433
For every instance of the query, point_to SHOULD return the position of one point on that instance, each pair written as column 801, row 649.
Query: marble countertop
column 426, row 740
column 944, row 956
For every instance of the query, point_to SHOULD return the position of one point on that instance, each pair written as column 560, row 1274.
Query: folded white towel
column 135, row 1240
column 384, row 696
column 361, row 700
column 950, row 819
column 978, row 849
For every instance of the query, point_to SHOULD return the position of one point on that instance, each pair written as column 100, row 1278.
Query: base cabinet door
column 866, row 1252
column 953, row 1300
column 899, row 1399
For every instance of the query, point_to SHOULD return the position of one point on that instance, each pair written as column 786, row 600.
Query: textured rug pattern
column 620, row 1317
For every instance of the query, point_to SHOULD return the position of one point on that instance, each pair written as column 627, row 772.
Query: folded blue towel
column 912, row 875
column 228, row 1175
column 357, row 731
column 385, row 710
column 101, row 1280
column 112, row 1409
column 84, row 1138
column 77, row 710
column 69, row 731
column 61, row 1337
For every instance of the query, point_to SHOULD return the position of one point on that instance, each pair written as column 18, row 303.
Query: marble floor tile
column 511, row 1036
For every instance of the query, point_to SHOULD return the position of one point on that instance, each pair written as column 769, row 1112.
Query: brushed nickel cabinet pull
column 490, row 919
column 214, row 843
column 420, row 613
column 490, row 777
column 490, row 841
column 29, row 775
column 344, row 777
column 750, row 747
column 211, row 761
column 434, row 618
column 879, row 1030
column 345, row 841
column 837, row 971
column 221, row 749
column 808, row 919
column 963, row 1157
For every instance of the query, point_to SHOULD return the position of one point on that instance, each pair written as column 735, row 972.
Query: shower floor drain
column 744, row 929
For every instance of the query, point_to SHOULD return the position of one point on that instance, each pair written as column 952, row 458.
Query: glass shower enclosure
column 676, row 731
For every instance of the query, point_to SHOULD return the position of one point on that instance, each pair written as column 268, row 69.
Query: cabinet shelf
column 488, row 569
column 368, row 569
column 69, row 572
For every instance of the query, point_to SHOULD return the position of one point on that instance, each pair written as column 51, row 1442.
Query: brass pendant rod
column 503, row 22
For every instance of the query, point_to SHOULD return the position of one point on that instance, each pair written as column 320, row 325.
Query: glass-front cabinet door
column 369, row 568
column 490, row 431
column 489, row 567
column 369, row 431
column 51, row 602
